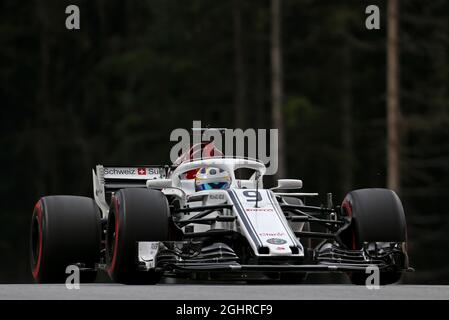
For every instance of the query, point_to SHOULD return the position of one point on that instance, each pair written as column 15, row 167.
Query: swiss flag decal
column 141, row 171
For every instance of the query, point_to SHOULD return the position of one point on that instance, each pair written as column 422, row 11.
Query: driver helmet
column 212, row 178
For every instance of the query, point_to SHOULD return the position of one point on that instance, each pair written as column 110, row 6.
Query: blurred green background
column 113, row 91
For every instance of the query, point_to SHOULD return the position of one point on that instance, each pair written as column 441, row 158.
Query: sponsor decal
column 260, row 209
column 280, row 248
column 272, row 234
column 276, row 241
column 154, row 170
column 132, row 171
column 124, row 171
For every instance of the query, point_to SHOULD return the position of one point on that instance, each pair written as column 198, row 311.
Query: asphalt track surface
column 111, row 291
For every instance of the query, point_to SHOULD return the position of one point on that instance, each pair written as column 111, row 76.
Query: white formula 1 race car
column 201, row 219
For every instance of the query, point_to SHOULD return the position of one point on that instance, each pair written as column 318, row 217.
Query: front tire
column 377, row 216
column 65, row 230
column 136, row 214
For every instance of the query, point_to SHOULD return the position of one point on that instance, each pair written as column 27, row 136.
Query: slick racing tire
column 65, row 230
column 136, row 214
column 377, row 216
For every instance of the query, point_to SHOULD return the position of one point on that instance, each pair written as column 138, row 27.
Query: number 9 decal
column 252, row 196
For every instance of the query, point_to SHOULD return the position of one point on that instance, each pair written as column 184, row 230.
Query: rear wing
column 107, row 180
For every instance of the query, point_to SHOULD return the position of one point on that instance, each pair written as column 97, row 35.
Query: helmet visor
column 213, row 185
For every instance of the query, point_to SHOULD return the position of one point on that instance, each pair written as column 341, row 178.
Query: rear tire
column 65, row 230
column 376, row 215
column 136, row 214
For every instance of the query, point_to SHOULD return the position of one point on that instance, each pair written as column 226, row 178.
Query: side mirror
column 159, row 183
column 288, row 184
